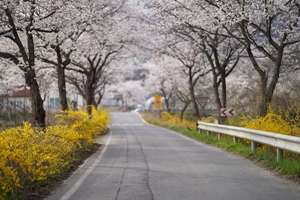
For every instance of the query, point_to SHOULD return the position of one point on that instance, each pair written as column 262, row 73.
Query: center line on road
column 77, row 185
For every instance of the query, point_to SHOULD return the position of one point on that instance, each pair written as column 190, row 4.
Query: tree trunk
column 183, row 111
column 193, row 95
column 217, row 96
column 38, row 110
column 194, row 100
column 166, row 99
column 28, row 57
column 167, row 103
column 216, row 86
column 267, row 92
column 61, row 79
column 89, row 104
column 263, row 106
column 222, row 119
column 99, row 101
column 218, row 101
column 90, row 100
column 266, row 97
column 224, row 90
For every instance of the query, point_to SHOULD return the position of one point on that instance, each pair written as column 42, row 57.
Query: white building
column 19, row 99
column 16, row 100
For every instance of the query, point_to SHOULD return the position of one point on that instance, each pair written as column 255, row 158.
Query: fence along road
column 279, row 141
column 145, row 162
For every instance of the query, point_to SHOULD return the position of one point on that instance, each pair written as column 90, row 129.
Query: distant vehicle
column 139, row 108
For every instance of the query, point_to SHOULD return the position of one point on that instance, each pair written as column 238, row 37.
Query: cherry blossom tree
column 20, row 22
column 269, row 30
column 188, row 21
column 91, row 64
column 194, row 66
column 76, row 18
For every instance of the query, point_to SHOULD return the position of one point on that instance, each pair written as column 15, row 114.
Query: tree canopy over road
column 241, row 54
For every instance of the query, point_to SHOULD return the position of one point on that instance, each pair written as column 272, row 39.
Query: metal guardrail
column 279, row 141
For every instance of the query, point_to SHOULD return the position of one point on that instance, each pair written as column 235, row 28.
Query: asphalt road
column 144, row 162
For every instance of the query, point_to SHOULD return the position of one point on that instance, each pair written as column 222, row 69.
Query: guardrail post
column 253, row 146
column 207, row 133
column 235, row 140
column 219, row 136
column 279, row 154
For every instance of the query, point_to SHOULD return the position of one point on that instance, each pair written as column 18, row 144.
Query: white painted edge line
column 141, row 117
column 194, row 141
column 170, row 131
column 80, row 181
column 176, row 133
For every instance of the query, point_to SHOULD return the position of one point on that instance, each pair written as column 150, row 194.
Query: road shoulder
column 68, row 187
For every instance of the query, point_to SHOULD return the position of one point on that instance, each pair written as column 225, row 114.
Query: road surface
column 144, row 162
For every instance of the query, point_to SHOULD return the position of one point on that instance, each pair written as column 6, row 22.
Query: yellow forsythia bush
column 29, row 155
column 292, row 115
column 210, row 120
column 173, row 120
column 271, row 122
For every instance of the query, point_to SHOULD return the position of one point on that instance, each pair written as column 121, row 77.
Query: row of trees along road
column 78, row 39
column 215, row 36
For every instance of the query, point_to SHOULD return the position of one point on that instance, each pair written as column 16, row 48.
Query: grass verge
column 289, row 167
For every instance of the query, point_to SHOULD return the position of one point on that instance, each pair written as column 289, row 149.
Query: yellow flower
column 30, row 155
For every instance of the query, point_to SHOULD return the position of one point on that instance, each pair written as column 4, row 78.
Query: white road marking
column 77, row 185
column 175, row 133
column 198, row 143
column 140, row 116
